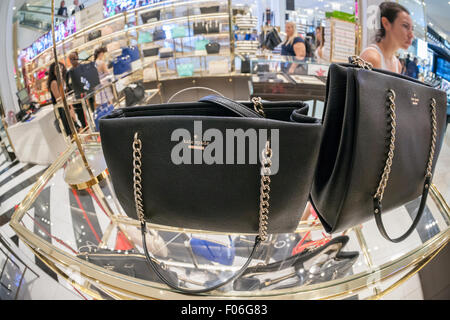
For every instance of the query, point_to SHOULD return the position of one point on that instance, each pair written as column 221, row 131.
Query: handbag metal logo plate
column 414, row 100
column 196, row 144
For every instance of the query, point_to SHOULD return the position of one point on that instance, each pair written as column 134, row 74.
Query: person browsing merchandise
column 105, row 96
column 78, row 6
column 396, row 32
column 62, row 11
column 55, row 94
column 412, row 70
column 294, row 45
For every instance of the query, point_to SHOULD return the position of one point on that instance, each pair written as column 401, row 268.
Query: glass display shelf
column 84, row 235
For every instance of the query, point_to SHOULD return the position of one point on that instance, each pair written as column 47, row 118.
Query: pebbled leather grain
column 355, row 143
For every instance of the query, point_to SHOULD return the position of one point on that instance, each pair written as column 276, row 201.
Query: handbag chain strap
column 387, row 168
column 137, row 177
column 266, row 163
column 388, row 164
column 258, row 106
column 356, row 60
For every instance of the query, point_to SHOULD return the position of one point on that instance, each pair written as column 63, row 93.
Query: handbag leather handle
column 378, row 208
column 231, row 105
column 154, row 266
column 264, row 205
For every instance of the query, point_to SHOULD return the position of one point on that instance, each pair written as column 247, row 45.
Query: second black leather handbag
column 159, row 34
column 150, row 52
column 267, row 195
column 199, row 28
column 272, row 39
column 151, row 16
column 212, row 47
column 133, row 94
column 382, row 136
column 213, row 27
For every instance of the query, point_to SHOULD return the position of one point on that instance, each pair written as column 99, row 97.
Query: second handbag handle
column 266, row 164
column 378, row 197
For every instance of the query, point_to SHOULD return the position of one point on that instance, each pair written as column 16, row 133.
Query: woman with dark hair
column 396, row 32
column 52, row 85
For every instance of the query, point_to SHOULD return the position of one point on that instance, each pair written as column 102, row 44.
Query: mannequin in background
column 294, row 45
column 396, row 32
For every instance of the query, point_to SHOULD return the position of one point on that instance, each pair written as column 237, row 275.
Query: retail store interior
column 66, row 231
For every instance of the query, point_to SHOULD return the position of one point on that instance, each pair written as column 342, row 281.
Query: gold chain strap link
column 266, row 164
column 356, row 60
column 137, row 177
column 433, row 137
column 388, row 164
column 258, row 106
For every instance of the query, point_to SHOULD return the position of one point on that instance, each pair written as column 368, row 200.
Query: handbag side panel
column 331, row 179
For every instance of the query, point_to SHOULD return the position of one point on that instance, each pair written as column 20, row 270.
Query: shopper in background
column 55, row 93
column 104, row 96
column 74, row 61
column 412, row 70
column 403, row 63
column 294, row 45
column 62, row 11
column 78, row 7
column 320, row 41
column 396, row 32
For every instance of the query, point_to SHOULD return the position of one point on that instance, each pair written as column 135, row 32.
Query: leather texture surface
column 212, row 47
column 356, row 140
column 217, row 197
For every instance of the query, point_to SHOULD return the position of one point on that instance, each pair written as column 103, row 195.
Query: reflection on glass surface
column 90, row 226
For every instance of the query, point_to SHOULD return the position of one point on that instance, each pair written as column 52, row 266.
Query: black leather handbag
column 217, row 196
column 151, row 52
column 199, row 28
column 211, row 9
column 134, row 94
column 382, row 136
column 212, row 47
column 213, row 27
column 159, row 34
column 272, row 39
column 94, row 35
column 245, row 65
column 84, row 78
column 151, row 16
